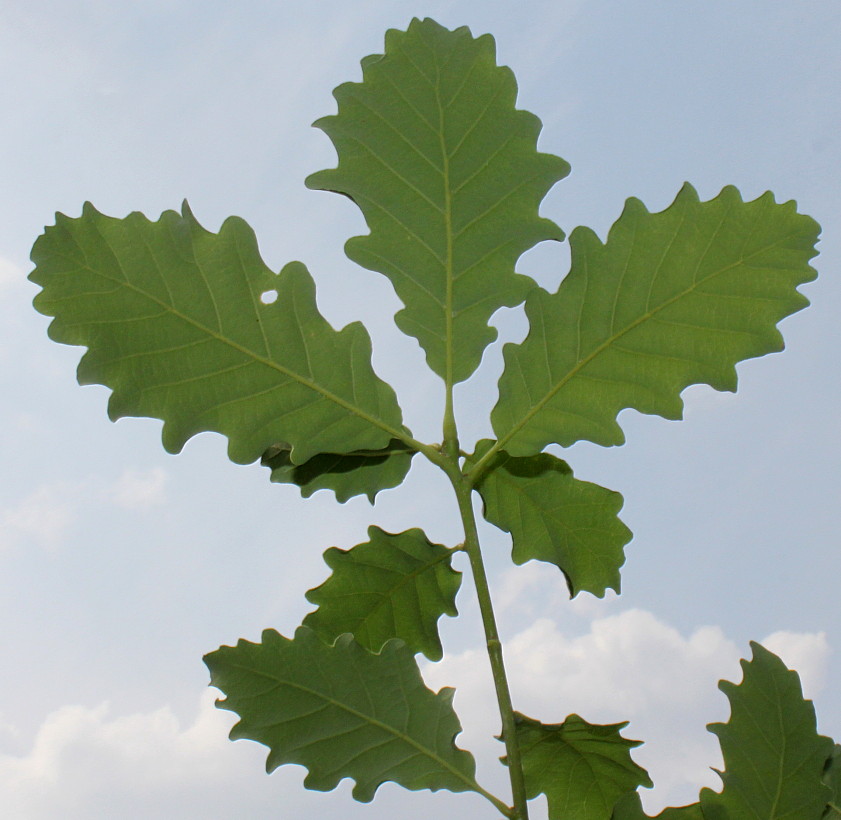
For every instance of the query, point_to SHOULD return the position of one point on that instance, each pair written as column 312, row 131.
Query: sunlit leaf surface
column 447, row 174
column 174, row 324
column 773, row 755
column 342, row 711
column 554, row 517
column 392, row 586
column 582, row 768
column 671, row 299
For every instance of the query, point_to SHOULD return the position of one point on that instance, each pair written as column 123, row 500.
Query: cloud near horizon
column 628, row 666
column 87, row 761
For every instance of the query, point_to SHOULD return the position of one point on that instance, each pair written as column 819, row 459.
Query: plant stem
column 503, row 694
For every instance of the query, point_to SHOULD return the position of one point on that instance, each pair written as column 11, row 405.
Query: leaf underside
column 448, row 177
column 671, row 299
column 629, row 807
column 773, row 756
column 582, row 768
column 392, row 586
column 554, row 517
column 832, row 779
column 346, row 474
column 174, row 324
column 342, row 711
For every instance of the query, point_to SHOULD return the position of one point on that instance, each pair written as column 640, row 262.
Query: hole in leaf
column 268, row 297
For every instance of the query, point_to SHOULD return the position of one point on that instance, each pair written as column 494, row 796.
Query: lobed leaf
column 174, row 324
column 342, row 711
column 671, row 299
column 392, row 586
column 346, row 474
column 554, row 517
column 448, row 177
column 773, row 756
column 582, row 768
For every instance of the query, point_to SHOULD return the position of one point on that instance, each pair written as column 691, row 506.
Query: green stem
column 451, row 447
column 503, row 694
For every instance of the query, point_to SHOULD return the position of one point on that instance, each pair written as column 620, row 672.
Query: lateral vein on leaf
column 410, row 185
column 508, row 194
column 402, row 580
column 416, row 282
column 476, row 120
column 254, row 302
column 397, row 733
column 666, row 252
column 266, row 362
column 418, row 112
column 404, row 139
column 485, row 166
column 582, row 363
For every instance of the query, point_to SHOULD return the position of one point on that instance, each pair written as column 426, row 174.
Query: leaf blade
column 629, row 807
column 555, row 517
column 172, row 319
column 341, row 711
column 448, row 177
column 774, row 758
column 671, row 299
column 347, row 474
column 832, row 779
column 600, row 755
column 391, row 586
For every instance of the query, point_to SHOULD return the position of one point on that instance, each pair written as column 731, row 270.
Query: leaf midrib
column 610, row 340
column 260, row 359
column 470, row 782
column 402, row 581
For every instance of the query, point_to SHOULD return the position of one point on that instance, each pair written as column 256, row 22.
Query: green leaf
column 671, row 299
column 773, row 756
column 392, row 586
column 447, row 174
column 174, row 324
column 342, row 711
column 347, row 475
column 582, row 768
column 554, row 517
column 629, row 807
column 832, row 779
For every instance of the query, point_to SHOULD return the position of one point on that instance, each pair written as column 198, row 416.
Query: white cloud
column 86, row 763
column 135, row 490
column 10, row 274
column 629, row 666
column 44, row 515
column 805, row 652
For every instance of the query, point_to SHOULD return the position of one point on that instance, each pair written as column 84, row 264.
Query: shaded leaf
column 671, row 299
column 174, row 324
column 832, row 779
column 582, row 768
column 342, row 711
column 773, row 756
column 346, row 474
column 554, row 517
column 392, row 586
column 629, row 807
column 447, row 174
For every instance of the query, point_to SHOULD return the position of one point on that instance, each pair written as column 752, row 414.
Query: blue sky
column 122, row 565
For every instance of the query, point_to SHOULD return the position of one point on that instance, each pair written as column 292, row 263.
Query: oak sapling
column 446, row 172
